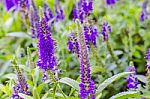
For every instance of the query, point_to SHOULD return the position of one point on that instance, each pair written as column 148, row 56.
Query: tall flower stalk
column 34, row 19
column 21, row 85
column 86, row 85
column 106, row 30
column 46, row 48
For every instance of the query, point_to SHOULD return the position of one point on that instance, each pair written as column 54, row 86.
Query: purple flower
column 106, row 29
column 132, row 79
column 46, row 47
column 59, row 11
column 87, row 7
column 91, row 34
column 23, row 6
column 75, row 12
column 73, row 44
column 86, row 85
column 21, row 86
column 47, row 12
column 144, row 13
column 84, row 8
column 34, row 19
column 45, row 76
column 9, row 4
column 147, row 56
column 110, row 2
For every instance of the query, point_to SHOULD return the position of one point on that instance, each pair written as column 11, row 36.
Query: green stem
column 112, row 54
column 98, row 59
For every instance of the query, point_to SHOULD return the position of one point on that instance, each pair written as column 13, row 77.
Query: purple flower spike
column 91, row 34
column 9, row 4
column 75, row 12
column 87, row 7
column 86, row 85
column 73, row 44
column 21, row 86
column 83, row 10
column 110, row 2
column 106, row 29
column 132, row 80
column 46, row 47
column 147, row 56
column 34, row 19
column 47, row 12
column 59, row 11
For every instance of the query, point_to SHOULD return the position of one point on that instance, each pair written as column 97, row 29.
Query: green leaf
column 40, row 87
column 10, row 76
column 110, row 80
column 125, row 95
column 70, row 82
column 45, row 96
column 142, row 78
column 146, row 94
column 25, row 96
column 5, row 89
column 18, row 34
column 35, row 93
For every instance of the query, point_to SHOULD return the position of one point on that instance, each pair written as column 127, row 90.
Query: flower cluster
column 59, row 11
column 91, row 34
column 73, row 44
column 83, row 10
column 21, row 86
column 47, row 12
column 148, row 59
column 110, row 2
column 87, row 85
column 106, row 29
column 21, row 5
column 46, row 48
column 34, row 19
column 144, row 13
column 9, row 4
column 132, row 79
column 47, row 59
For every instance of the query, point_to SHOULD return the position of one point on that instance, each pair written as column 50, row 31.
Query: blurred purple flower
column 147, row 56
column 21, row 86
column 45, row 76
column 9, row 4
column 73, row 44
column 106, row 29
column 47, row 12
column 75, row 12
column 87, row 86
column 144, row 13
column 110, row 2
column 84, row 8
column 132, row 79
column 59, row 11
column 46, row 47
column 34, row 19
